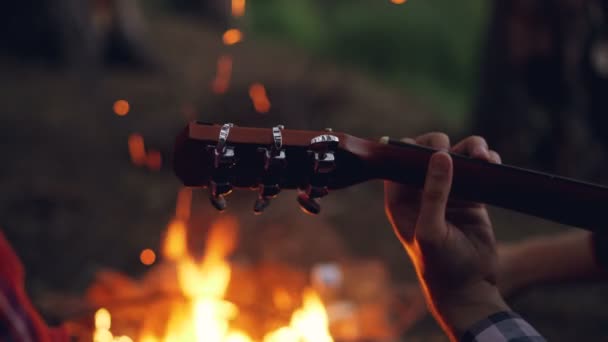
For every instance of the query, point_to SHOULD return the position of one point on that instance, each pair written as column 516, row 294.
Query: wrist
column 459, row 309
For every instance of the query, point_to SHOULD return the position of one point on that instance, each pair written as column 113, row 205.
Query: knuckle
column 434, row 139
column 433, row 195
column 440, row 140
column 442, row 136
column 495, row 157
column 478, row 140
column 427, row 241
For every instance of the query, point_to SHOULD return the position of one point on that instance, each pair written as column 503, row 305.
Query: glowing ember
column 154, row 160
column 398, row 2
column 232, row 36
column 257, row 93
column 184, row 204
column 224, row 72
column 121, row 107
column 147, row 257
column 137, row 150
column 238, row 8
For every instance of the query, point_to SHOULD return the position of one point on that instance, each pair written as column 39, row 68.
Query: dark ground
column 72, row 203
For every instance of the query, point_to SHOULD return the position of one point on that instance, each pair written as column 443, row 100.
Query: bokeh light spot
column 121, row 107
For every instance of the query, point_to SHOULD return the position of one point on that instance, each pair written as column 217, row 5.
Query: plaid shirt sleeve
column 502, row 327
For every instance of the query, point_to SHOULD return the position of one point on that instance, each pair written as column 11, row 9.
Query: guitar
column 223, row 157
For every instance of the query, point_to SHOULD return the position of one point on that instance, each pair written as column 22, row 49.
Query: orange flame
column 174, row 246
column 121, row 107
column 223, row 74
column 257, row 93
column 103, row 322
column 238, row 8
column 206, row 316
column 308, row 324
column 232, row 36
column 137, row 150
column 398, row 2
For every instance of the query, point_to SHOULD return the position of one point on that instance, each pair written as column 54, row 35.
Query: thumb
column 431, row 225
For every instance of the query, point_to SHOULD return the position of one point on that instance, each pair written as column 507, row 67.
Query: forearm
column 563, row 257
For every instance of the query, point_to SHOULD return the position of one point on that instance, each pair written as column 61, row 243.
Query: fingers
column 495, row 157
column 436, row 140
column 401, row 206
column 476, row 147
column 431, row 226
column 408, row 140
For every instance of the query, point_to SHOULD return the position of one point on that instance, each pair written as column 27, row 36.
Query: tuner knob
column 317, row 191
column 308, row 204
column 218, row 202
column 269, row 191
column 220, row 188
column 260, row 205
column 324, row 143
column 323, row 148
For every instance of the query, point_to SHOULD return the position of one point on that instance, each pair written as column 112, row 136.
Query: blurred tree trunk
column 534, row 96
column 216, row 10
column 76, row 33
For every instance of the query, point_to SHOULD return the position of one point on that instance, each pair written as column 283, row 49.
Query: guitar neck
column 551, row 197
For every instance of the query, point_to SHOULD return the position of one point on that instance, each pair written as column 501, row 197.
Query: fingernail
column 440, row 164
column 481, row 151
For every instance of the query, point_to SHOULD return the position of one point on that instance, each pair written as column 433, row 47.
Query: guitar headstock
column 223, row 157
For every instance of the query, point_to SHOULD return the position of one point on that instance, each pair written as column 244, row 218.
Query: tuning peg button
column 308, row 204
column 218, row 202
column 269, row 191
column 220, row 188
column 260, row 205
column 317, row 191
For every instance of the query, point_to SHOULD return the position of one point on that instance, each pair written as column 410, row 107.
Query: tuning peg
column 269, row 191
column 218, row 202
column 220, row 188
column 217, row 194
column 260, row 205
column 323, row 148
column 308, row 204
column 324, row 143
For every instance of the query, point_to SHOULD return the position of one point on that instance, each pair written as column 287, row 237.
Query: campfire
column 215, row 297
column 197, row 299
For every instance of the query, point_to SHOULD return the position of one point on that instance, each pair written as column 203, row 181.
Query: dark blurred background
column 529, row 75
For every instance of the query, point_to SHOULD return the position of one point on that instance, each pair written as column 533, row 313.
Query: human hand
column 450, row 241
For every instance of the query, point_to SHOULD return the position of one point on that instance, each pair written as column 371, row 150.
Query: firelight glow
column 204, row 315
column 398, row 2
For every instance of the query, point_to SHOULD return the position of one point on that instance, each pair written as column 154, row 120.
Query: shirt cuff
column 501, row 327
